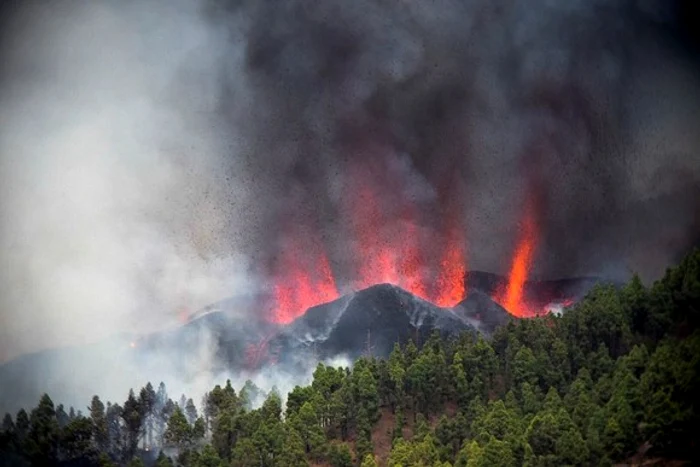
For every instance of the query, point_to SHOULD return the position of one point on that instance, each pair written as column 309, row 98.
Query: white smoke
column 126, row 199
column 116, row 192
column 121, row 204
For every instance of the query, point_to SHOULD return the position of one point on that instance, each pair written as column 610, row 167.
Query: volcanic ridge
column 367, row 321
column 234, row 336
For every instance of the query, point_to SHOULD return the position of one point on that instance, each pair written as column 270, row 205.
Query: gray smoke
column 584, row 106
column 154, row 154
column 119, row 196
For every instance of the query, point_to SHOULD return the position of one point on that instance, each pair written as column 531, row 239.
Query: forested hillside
column 614, row 378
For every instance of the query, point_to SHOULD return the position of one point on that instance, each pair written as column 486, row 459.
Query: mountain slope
column 479, row 310
column 370, row 320
column 231, row 337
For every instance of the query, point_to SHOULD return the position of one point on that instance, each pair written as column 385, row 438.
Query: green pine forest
column 613, row 380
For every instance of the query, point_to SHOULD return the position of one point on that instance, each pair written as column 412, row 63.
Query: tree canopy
column 613, row 377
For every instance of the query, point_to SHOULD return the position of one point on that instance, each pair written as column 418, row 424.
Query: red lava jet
column 385, row 253
column 512, row 298
column 388, row 247
column 396, row 252
column 303, row 279
column 450, row 282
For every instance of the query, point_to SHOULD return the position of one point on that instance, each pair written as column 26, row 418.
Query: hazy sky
column 148, row 150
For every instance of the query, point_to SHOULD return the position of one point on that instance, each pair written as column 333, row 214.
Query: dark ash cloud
column 587, row 107
column 169, row 146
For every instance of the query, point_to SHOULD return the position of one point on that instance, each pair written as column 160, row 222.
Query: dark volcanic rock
column 370, row 320
column 221, row 338
column 482, row 312
column 538, row 293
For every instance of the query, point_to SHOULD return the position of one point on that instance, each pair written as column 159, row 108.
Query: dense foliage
column 613, row 377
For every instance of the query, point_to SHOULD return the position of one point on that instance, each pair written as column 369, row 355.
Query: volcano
column 480, row 311
column 234, row 337
column 368, row 322
column 537, row 294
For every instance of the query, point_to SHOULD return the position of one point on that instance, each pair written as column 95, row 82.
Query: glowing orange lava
column 513, row 297
column 385, row 234
column 411, row 259
column 450, row 288
column 304, row 279
column 376, row 261
column 386, row 245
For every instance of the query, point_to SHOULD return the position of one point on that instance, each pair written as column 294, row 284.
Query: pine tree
column 307, row 425
column 614, row 439
column 115, row 430
column 199, row 429
column 249, row 394
column 178, row 432
column 245, row 454
column 297, row 398
column 160, row 412
column 61, row 416
column 421, row 429
column 22, row 425
column 339, row 455
column 99, row 424
column 497, row 453
column 470, row 455
column 369, row 461
column 190, row 411
column 293, row 452
column 148, row 401
column 163, row 460
column 42, row 440
column 399, row 422
column 571, row 448
column 524, row 367
column 8, row 426
column 209, row 458
column 459, row 381
column 76, row 440
column 365, row 394
column 397, row 376
column 132, row 415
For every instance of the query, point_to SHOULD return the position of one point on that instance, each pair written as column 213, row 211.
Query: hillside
column 615, row 378
column 232, row 336
column 370, row 320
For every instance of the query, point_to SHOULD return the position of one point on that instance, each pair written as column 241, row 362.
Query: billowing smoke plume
column 120, row 203
column 583, row 106
column 158, row 156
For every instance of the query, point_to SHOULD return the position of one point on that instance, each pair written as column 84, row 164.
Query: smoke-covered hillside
column 221, row 341
column 613, row 380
